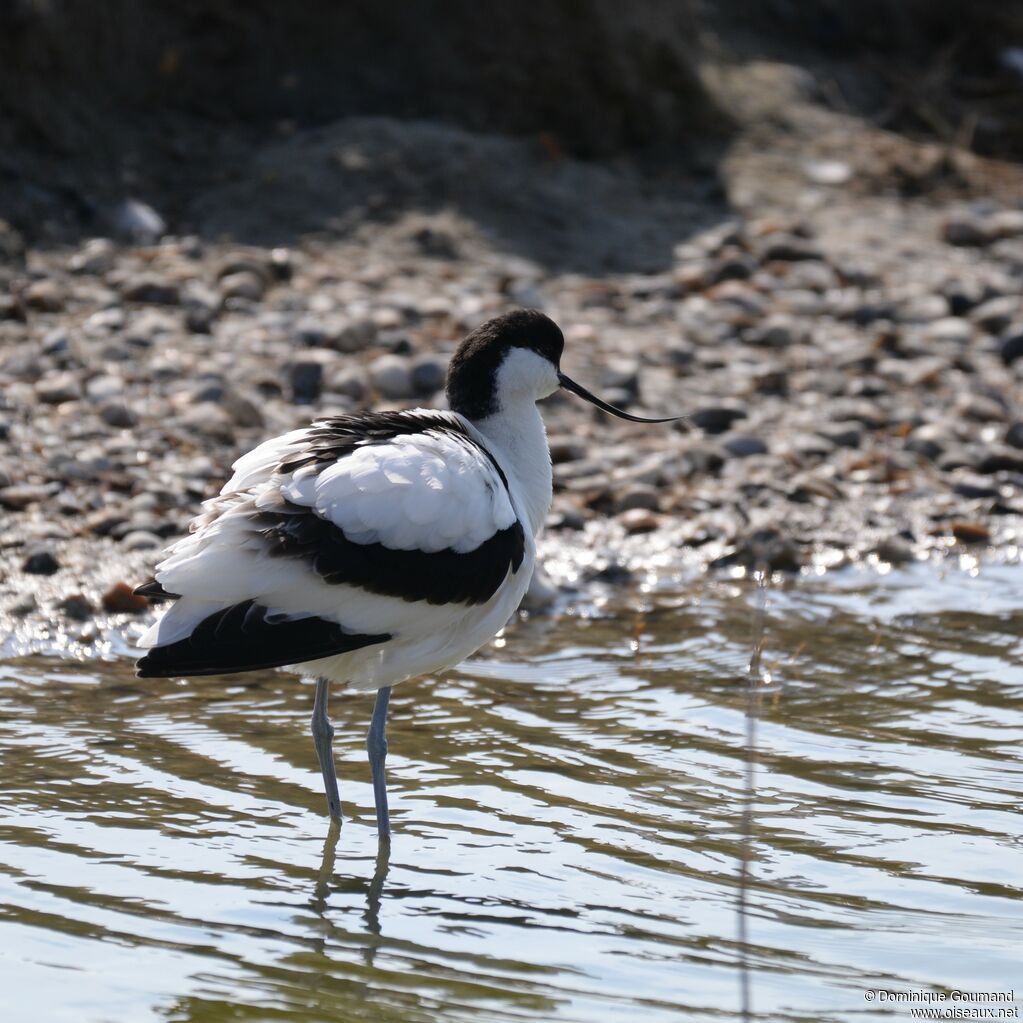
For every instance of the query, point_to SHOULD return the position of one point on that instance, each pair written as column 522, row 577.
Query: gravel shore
column 850, row 365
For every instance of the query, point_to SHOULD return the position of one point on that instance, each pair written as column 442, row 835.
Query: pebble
column 1012, row 347
column 96, row 257
column 827, row 172
column 962, row 296
column 638, row 496
column 744, row 445
column 964, row 229
column 141, row 540
column 11, row 308
column 40, row 561
column 58, row 388
column 428, row 374
column 1006, row 224
column 639, row 520
column 716, row 418
column 928, row 440
column 352, row 335
column 895, row 550
column 242, row 411
column 1014, row 435
column 135, row 221
column 244, row 284
column 843, row 435
column 45, row 296
column 970, row 532
column 104, row 387
column 151, row 290
column 948, row 329
column 209, row 420
column 542, row 592
column 77, row 607
column 23, row 495
column 119, row 599
column 975, row 488
column 765, row 549
column 996, row 314
column 118, row 415
column 566, row 518
column 391, row 375
column 24, row 606
column 305, row 379
column 788, row 248
column 566, row 449
column 733, row 268
column 621, row 375
column 350, row 380
column 777, row 331
column 12, row 245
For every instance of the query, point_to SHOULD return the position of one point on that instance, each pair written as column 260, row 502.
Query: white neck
column 518, row 440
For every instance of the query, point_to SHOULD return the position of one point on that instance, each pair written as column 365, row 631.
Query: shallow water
column 569, row 814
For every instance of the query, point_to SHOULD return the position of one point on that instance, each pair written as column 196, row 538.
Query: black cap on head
column 473, row 371
column 472, row 375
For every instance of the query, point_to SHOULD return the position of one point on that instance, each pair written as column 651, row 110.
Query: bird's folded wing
column 356, row 533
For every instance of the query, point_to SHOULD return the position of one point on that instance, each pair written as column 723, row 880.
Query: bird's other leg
column 323, row 733
column 376, row 747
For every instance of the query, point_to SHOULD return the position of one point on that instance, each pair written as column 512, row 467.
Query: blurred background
column 165, row 100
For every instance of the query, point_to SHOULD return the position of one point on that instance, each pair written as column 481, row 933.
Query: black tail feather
column 240, row 638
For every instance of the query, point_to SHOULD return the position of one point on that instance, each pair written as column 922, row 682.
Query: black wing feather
column 241, row 638
column 437, row 577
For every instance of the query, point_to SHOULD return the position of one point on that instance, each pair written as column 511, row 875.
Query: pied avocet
column 373, row 548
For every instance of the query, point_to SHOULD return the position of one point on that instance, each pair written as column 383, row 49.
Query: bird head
column 515, row 356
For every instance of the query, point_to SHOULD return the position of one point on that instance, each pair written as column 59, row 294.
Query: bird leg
column 376, row 747
column 323, row 733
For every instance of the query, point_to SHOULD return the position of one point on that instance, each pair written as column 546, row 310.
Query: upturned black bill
column 570, row 385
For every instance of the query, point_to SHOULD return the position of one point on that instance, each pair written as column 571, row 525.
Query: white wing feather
column 425, row 491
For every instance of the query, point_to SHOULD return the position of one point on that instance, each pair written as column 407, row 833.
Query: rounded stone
column 244, row 284
column 60, row 387
column 140, row 540
column 639, row 520
column 150, row 289
column 120, row 599
column 429, row 373
column 40, row 561
column 965, row 229
column 77, row 606
column 638, row 495
column 1012, row 348
column 44, row 296
column 391, row 375
column 744, row 445
column 716, row 418
column 95, row 257
column 305, row 377
column 118, row 415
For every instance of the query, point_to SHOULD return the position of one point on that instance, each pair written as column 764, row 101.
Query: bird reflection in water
column 354, row 882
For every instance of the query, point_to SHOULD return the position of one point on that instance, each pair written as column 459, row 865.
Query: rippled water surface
column 569, row 814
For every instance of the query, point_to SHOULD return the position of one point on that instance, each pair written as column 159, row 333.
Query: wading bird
column 377, row 547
